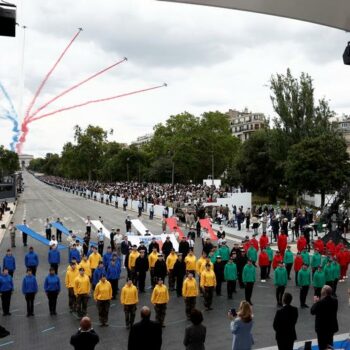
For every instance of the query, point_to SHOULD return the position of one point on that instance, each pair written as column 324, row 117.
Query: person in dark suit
column 86, row 338
column 326, row 324
column 284, row 324
column 195, row 334
column 145, row 334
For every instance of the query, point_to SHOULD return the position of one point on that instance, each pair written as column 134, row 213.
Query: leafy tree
column 9, row 162
column 318, row 165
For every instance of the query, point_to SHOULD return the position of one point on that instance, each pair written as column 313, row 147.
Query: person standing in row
column 52, row 287
column 326, row 324
column 284, row 324
column 103, row 296
column 318, row 281
column 160, row 270
column 58, row 231
column 29, row 289
column 12, row 230
column 304, row 281
column 249, row 280
column 208, row 282
column 82, row 288
column 219, row 267
column 71, row 274
column 113, row 274
column 152, row 259
column 6, row 290
column 298, row 264
column 160, row 299
column 288, row 260
column 230, row 274
column 94, row 259
column 9, row 262
column 170, row 262
column 280, row 281
column 48, row 227
column 24, row 235
column 129, row 298
column 264, row 263
column 100, row 241
column 31, row 260
column 179, row 272
column 54, row 258
column 190, row 293
column 141, row 268
column 191, row 262
column 134, row 254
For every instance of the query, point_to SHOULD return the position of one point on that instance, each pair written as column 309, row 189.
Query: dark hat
column 81, row 269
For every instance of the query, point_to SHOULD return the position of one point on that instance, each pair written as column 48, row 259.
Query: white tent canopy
column 331, row 13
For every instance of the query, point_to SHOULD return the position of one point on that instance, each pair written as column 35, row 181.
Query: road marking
column 8, row 343
column 48, row 329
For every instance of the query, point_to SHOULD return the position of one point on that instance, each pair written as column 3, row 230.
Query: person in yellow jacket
column 134, row 254
column 85, row 264
column 152, row 259
column 129, row 298
column 170, row 262
column 82, row 288
column 190, row 293
column 208, row 282
column 94, row 259
column 71, row 274
column 103, row 296
column 191, row 262
column 160, row 299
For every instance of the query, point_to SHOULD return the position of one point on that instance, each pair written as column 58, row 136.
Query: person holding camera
column 241, row 326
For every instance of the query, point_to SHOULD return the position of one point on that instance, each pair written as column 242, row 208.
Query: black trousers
column 324, row 339
column 289, row 268
column 285, row 344
column 248, row 291
column 52, row 296
column 303, row 294
column 103, row 310
column 55, row 267
column 160, row 310
column 279, row 294
column 24, row 239
column 231, row 288
column 72, row 300
column 218, row 286
column 263, row 272
column 141, row 280
column 171, row 279
column 114, row 284
column 82, row 300
column 130, row 311
column 6, row 300
column 268, row 270
column 296, row 277
column 334, row 287
column 48, row 234
column 208, row 296
column 59, row 236
column 179, row 283
column 190, row 303
column 100, row 247
column 317, row 292
column 30, row 303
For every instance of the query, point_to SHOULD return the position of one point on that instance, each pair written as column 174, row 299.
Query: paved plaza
column 53, row 332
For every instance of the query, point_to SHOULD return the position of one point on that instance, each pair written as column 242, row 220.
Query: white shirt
column 53, row 242
column 118, row 239
column 100, row 236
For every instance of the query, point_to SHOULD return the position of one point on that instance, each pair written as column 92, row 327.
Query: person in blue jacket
column 6, row 289
column 74, row 253
column 98, row 274
column 107, row 257
column 52, row 287
column 113, row 274
column 31, row 260
column 9, row 262
column 29, row 289
column 54, row 258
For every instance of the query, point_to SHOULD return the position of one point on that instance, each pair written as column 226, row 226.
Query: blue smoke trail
column 13, row 117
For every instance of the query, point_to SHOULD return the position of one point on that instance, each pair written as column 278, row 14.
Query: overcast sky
column 212, row 59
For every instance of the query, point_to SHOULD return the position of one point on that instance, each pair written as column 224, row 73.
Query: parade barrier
column 205, row 223
column 172, row 224
column 36, row 236
column 98, row 224
column 140, row 227
column 66, row 232
column 159, row 238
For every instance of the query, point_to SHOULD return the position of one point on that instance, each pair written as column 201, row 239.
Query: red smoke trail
column 74, row 87
column 48, row 75
column 91, row 102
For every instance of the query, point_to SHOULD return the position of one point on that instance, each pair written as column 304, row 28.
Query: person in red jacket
column 339, row 247
column 264, row 263
column 298, row 263
column 343, row 262
column 330, row 246
column 282, row 243
column 263, row 241
column 276, row 260
column 246, row 244
column 319, row 245
column 301, row 243
column 255, row 242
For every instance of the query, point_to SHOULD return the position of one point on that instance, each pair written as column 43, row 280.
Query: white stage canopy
column 331, row 13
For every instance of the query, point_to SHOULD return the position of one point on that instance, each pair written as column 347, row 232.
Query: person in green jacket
column 224, row 252
column 252, row 254
column 315, row 261
column 318, row 281
column 304, row 281
column 336, row 275
column 288, row 260
column 328, row 273
column 230, row 274
column 280, row 281
column 248, row 275
column 269, row 252
column 306, row 257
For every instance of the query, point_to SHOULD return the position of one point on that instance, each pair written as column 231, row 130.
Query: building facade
column 343, row 126
column 142, row 140
column 244, row 124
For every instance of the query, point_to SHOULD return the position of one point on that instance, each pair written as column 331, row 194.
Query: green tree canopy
column 9, row 162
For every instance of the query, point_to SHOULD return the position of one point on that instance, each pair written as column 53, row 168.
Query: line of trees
column 8, row 162
column 301, row 153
